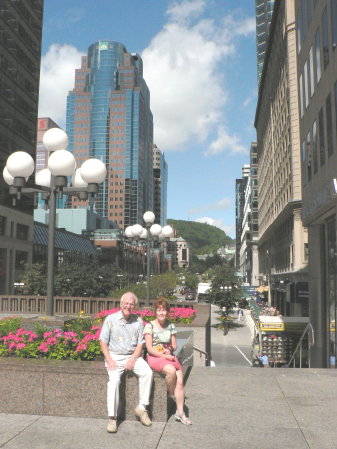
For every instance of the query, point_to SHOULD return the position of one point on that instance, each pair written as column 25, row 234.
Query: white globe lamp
column 55, row 139
column 62, row 163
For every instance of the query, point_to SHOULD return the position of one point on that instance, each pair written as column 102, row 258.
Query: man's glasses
column 130, row 304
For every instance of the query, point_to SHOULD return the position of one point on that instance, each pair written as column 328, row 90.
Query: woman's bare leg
column 170, row 378
column 179, row 393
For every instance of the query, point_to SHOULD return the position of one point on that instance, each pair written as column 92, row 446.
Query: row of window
column 22, row 231
column 314, row 147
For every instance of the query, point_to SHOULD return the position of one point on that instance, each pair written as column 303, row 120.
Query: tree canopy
column 202, row 237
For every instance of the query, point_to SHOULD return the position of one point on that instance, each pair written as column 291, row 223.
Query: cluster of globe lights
column 61, row 164
column 137, row 231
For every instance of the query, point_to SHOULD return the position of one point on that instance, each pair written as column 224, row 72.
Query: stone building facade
column 282, row 236
column 316, row 24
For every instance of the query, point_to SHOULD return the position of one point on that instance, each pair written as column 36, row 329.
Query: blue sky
column 200, row 65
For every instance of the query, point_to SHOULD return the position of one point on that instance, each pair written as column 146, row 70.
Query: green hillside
column 202, row 237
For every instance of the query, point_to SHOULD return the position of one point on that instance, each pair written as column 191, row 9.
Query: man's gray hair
column 129, row 294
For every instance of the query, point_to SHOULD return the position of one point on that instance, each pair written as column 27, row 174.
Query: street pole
column 148, row 264
column 51, row 250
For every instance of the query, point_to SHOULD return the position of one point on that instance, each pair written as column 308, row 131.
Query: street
column 230, row 350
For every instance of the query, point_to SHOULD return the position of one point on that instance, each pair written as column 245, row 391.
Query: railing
column 304, row 343
column 202, row 352
column 31, row 304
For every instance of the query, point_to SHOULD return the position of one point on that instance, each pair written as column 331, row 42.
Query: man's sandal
column 183, row 419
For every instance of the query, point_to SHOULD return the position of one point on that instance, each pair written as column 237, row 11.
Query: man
column 121, row 341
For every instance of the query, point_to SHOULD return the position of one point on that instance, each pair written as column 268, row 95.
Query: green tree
column 225, row 298
column 35, row 279
column 203, row 238
column 90, row 279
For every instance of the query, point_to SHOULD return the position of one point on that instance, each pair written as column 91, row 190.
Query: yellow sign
column 271, row 326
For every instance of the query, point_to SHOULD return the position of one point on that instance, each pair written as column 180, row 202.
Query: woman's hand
column 168, row 357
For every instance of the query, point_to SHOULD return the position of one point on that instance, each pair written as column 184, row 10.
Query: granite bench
column 76, row 388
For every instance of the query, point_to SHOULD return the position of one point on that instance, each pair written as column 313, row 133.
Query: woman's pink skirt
column 158, row 363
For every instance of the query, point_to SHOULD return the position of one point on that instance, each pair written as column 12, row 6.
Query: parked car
column 190, row 295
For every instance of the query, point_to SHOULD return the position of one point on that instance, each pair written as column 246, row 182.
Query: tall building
column 282, row 236
column 160, row 176
column 316, row 24
column 240, row 189
column 42, row 155
column 20, row 53
column 263, row 13
column 109, row 118
column 249, row 261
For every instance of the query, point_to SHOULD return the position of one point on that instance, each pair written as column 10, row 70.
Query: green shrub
column 9, row 325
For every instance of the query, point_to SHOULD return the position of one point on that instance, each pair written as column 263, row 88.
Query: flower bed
column 80, row 340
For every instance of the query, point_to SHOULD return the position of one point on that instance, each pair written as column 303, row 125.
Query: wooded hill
column 202, row 237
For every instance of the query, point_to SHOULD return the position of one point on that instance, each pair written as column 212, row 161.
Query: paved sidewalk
column 231, row 408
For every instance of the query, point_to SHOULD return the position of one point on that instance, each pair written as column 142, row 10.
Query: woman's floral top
column 161, row 338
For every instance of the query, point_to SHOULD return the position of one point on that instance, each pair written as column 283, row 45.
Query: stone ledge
column 77, row 388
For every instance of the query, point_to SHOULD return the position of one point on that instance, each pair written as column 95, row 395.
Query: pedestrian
column 240, row 314
column 122, row 341
column 161, row 342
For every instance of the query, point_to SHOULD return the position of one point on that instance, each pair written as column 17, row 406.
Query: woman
column 160, row 340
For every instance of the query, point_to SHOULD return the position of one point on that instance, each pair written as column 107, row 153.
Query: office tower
column 20, row 54
column 160, row 175
column 264, row 12
column 42, row 155
column 109, row 118
column 240, row 188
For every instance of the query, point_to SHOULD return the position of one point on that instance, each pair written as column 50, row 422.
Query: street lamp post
column 52, row 182
column 149, row 233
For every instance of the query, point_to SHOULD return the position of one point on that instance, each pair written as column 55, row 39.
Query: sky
column 199, row 59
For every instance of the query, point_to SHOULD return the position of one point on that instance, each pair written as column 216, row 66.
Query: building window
column 299, row 27
column 304, row 21
column 309, row 11
column 329, row 125
column 318, row 55
column 22, row 232
column 321, row 137
column 311, row 71
column 334, row 22
column 314, row 146
column 306, row 86
column 309, row 158
column 301, row 95
column 304, row 163
column 3, row 222
column 21, row 258
column 325, row 38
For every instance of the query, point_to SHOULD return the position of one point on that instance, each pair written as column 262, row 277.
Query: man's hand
column 130, row 364
column 112, row 365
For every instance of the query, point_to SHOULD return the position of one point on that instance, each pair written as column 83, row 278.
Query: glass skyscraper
column 109, row 118
column 264, row 12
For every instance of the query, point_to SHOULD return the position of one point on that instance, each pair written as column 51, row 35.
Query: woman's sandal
column 183, row 419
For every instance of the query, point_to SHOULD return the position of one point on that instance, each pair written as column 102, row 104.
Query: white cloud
column 222, row 205
column 180, row 12
column 56, row 79
column 184, row 69
column 219, row 223
column 225, row 142
column 236, row 27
